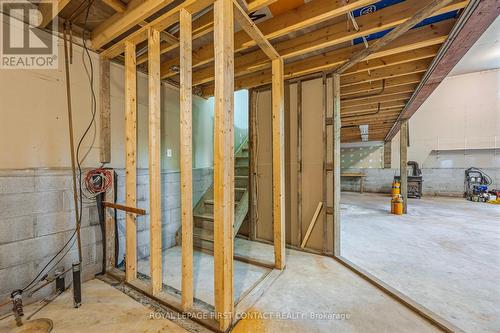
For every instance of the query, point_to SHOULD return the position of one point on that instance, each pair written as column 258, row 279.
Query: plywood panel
column 312, row 155
column 264, row 166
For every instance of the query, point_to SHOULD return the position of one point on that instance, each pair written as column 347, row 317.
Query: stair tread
column 205, row 234
column 211, row 202
column 205, row 216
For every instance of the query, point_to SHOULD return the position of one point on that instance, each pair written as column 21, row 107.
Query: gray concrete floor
column 317, row 294
column 444, row 254
column 245, row 275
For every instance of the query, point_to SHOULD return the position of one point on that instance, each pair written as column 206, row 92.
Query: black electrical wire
column 92, row 121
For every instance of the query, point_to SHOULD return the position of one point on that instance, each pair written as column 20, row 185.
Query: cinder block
column 91, row 235
column 120, row 195
column 171, row 189
column 142, row 253
column 21, row 184
column 16, row 277
column 172, row 202
column 17, row 253
column 165, row 216
column 52, row 183
column 16, row 229
column 175, row 215
column 69, row 201
column 51, row 223
column 142, row 192
column 143, row 179
column 173, row 177
column 12, row 205
column 93, row 216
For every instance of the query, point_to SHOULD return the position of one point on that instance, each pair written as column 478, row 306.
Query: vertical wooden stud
column 278, row 139
column 336, row 164
column 299, row 162
column 224, row 161
column 186, row 156
column 252, row 143
column 105, row 114
column 130, row 161
column 155, row 257
column 325, row 160
column 403, row 159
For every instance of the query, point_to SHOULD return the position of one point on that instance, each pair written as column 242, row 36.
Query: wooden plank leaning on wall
column 155, row 257
column 130, row 161
column 223, row 162
column 186, row 155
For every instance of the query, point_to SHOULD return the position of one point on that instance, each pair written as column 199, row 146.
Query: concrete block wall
column 170, row 210
column 36, row 220
column 436, row 181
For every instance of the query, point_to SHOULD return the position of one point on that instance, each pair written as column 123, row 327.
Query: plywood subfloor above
column 104, row 309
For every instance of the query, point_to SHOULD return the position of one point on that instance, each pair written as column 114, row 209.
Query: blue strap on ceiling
column 386, row 3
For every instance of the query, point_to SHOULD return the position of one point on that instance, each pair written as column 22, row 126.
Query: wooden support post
column 278, row 139
column 403, row 159
column 155, row 257
column 186, row 155
column 105, row 114
column 130, row 161
column 336, row 164
column 224, row 162
column 299, row 161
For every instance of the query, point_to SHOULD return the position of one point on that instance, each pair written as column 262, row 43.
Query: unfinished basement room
column 250, row 166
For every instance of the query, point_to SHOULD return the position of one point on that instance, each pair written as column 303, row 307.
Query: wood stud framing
column 223, row 162
column 278, row 138
column 336, row 163
column 105, row 114
column 186, row 155
column 252, row 171
column 130, row 161
column 401, row 64
column 299, row 162
column 224, row 196
column 325, row 159
column 155, row 258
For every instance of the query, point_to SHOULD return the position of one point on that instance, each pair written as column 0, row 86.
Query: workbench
column 359, row 175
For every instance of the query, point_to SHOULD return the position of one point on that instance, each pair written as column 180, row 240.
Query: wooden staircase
column 203, row 213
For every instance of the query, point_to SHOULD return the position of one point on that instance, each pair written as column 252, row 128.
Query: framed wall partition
column 222, row 316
